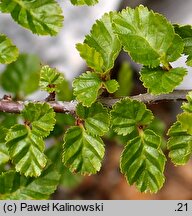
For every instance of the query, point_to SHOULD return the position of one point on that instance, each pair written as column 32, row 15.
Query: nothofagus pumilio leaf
column 185, row 118
column 86, row 87
column 25, row 142
column 179, row 144
column 4, row 154
column 83, row 148
column 8, row 51
column 41, row 17
column 50, row 79
column 17, row 187
column 26, row 150
column 147, row 36
column 101, row 47
column 143, row 162
column 159, row 81
column 82, row 152
column 96, row 118
column 127, row 115
column 185, row 32
column 180, row 135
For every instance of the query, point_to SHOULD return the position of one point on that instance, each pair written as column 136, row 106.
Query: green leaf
column 96, row 118
column 16, row 187
column 143, row 162
column 147, row 36
column 41, row 17
column 22, row 76
column 125, row 80
column 50, row 79
column 8, row 51
column 92, row 57
column 179, row 144
column 175, row 49
column 103, row 40
column 4, row 154
column 26, row 150
column 64, row 92
column 84, row 2
column 185, row 120
column 86, row 88
column 40, row 117
column 159, row 81
column 83, row 152
column 68, row 179
column 158, row 126
column 187, row 106
column 7, row 120
column 188, row 50
column 127, row 115
column 111, row 85
column 185, row 33
column 186, row 117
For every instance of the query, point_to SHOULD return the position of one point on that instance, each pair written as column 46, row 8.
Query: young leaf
column 147, row 36
column 179, row 144
column 22, row 77
column 185, row 33
column 93, row 58
column 84, row 2
column 96, row 118
column 111, row 85
column 86, row 88
column 16, row 187
column 185, row 120
column 159, row 81
column 83, row 152
column 128, row 114
column 143, row 162
column 187, row 106
column 41, row 118
column 50, row 79
column 41, row 17
column 103, row 41
column 8, row 51
column 26, row 150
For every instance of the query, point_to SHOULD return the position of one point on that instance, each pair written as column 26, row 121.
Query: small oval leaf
column 143, row 162
column 83, row 152
column 128, row 114
column 96, row 118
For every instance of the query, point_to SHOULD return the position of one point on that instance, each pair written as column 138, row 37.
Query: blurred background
column 60, row 52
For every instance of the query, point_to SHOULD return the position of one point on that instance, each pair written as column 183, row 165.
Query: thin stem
column 9, row 106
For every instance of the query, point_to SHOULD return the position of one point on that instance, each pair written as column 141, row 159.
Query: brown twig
column 10, row 106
